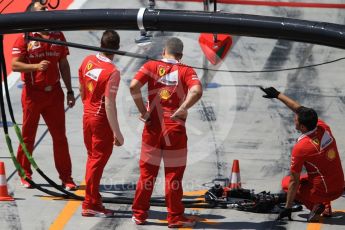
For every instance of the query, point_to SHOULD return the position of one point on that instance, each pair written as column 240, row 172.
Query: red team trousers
column 98, row 139
column 50, row 105
column 305, row 192
column 172, row 148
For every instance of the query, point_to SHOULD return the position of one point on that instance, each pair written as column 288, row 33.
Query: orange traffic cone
column 235, row 178
column 3, row 184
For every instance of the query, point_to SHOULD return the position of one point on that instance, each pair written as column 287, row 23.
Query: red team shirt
column 35, row 52
column 317, row 152
column 168, row 83
column 97, row 76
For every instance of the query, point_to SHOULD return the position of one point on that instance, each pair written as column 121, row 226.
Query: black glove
column 285, row 212
column 271, row 92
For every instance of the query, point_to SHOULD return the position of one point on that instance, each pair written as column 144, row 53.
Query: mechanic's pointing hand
column 271, row 92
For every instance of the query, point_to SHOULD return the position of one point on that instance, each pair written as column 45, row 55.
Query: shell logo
column 90, row 87
column 164, row 94
column 331, row 154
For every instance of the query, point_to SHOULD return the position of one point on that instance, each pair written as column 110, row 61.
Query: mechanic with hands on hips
column 99, row 81
column 316, row 150
column 41, row 65
column 173, row 88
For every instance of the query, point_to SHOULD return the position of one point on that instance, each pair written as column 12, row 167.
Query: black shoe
column 316, row 212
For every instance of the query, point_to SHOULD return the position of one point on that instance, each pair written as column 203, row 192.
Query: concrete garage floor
column 232, row 121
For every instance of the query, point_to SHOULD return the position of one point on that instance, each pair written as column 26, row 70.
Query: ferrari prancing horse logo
column 316, row 141
column 89, row 66
column 161, row 71
column 331, row 154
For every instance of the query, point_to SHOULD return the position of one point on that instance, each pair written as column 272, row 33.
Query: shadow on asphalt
column 117, row 187
column 211, row 221
column 242, row 225
column 338, row 218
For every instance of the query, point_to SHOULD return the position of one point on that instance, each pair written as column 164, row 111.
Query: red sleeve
column 112, row 85
column 144, row 73
column 19, row 48
column 297, row 159
column 80, row 71
column 81, row 81
column 65, row 50
column 191, row 78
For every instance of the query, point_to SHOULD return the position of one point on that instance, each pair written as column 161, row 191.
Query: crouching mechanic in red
column 172, row 89
column 41, row 65
column 316, row 150
column 99, row 80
